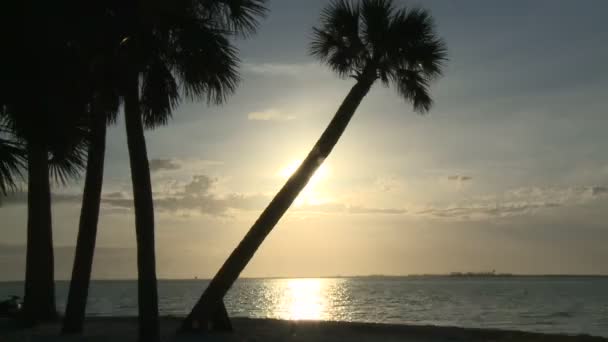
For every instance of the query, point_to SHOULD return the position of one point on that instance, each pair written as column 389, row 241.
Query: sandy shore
column 249, row 330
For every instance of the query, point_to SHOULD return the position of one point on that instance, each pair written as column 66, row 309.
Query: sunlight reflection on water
column 303, row 298
column 569, row 304
column 306, row 299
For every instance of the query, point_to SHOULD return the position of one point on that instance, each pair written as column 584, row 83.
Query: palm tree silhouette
column 48, row 125
column 369, row 41
column 104, row 104
column 53, row 149
column 165, row 52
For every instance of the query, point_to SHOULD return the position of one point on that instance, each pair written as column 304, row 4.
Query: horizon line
column 429, row 275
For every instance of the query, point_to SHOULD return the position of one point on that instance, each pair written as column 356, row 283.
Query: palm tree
column 165, row 50
column 40, row 101
column 369, row 41
column 103, row 110
column 53, row 150
column 98, row 50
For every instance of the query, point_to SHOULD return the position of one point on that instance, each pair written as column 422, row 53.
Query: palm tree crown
column 374, row 39
column 183, row 50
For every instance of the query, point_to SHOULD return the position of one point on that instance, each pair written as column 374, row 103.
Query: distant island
column 480, row 274
column 485, row 274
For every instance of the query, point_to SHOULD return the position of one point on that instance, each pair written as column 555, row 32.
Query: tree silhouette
column 99, row 52
column 165, row 51
column 41, row 106
column 370, row 41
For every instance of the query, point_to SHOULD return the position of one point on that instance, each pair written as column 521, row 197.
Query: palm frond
column 68, row 166
column 376, row 16
column 105, row 87
column 413, row 86
column 159, row 94
column 416, row 43
column 13, row 160
column 336, row 42
column 237, row 17
column 205, row 62
column 68, row 143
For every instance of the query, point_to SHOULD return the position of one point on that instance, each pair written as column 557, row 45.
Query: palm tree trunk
column 208, row 304
column 144, row 215
column 87, row 231
column 39, row 299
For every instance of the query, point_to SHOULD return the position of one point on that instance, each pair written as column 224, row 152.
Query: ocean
column 571, row 305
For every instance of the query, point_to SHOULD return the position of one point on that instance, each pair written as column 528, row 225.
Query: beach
column 118, row 329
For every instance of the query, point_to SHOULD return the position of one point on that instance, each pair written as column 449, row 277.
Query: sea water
column 570, row 305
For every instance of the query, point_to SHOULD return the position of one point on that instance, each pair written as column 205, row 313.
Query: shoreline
column 264, row 329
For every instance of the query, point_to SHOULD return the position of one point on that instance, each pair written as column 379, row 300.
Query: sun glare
column 310, row 194
column 288, row 170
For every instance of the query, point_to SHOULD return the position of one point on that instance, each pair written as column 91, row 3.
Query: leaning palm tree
column 369, row 41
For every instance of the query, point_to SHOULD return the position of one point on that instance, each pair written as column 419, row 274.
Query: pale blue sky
column 509, row 170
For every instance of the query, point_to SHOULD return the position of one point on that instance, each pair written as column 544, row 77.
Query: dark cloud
column 598, row 190
column 200, row 185
column 20, row 198
column 115, row 195
column 460, row 178
column 195, row 196
column 163, row 165
column 487, row 210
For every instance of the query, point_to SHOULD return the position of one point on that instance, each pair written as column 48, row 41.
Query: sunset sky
column 509, row 171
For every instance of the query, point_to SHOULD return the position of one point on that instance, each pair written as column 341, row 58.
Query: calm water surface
column 565, row 305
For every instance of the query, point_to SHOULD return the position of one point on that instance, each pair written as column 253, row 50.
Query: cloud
column 598, row 190
column 199, row 185
column 196, row 196
column 269, row 115
column 459, row 178
column 385, row 211
column 334, row 207
column 521, row 201
column 115, row 195
column 20, row 198
column 163, row 165
column 485, row 210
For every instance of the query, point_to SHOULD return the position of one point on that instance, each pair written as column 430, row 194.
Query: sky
column 507, row 172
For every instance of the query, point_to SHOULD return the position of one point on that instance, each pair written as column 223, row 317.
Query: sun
column 310, row 194
column 288, row 170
